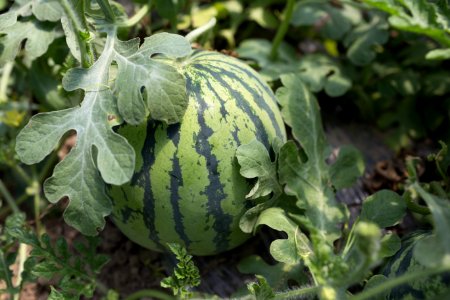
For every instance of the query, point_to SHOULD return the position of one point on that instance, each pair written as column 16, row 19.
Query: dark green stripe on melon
column 187, row 184
column 403, row 262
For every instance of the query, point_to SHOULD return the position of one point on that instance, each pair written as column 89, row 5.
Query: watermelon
column 433, row 287
column 186, row 187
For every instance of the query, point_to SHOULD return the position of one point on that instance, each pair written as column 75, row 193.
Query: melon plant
column 404, row 262
column 186, row 187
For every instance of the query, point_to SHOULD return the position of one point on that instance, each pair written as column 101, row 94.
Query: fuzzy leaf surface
column 37, row 36
column 160, row 84
column 307, row 180
column 292, row 249
column 256, row 163
column 100, row 155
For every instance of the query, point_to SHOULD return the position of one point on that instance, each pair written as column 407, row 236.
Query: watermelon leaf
column 318, row 71
column 261, row 289
column 308, row 181
column 37, row 36
column 434, row 250
column 419, row 16
column 292, row 249
column 98, row 146
column 390, row 244
column 385, row 208
column 349, row 165
column 160, row 84
column 255, row 163
column 276, row 275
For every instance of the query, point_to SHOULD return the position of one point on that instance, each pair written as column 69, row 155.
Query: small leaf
column 276, row 275
column 55, row 295
column 292, row 249
column 255, row 163
column 347, row 168
column 390, row 244
column 261, row 289
column 385, row 208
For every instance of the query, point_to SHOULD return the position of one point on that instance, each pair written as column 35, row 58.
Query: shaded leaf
column 390, row 244
column 276, row 275
column 292, row 249
column 385, row 208
column 347, row 168
column 434, row 250
column 363, row 40
column 261, row 289
column 255, row 162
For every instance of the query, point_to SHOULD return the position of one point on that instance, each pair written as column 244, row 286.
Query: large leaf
column 77, row 176
column 309, row 180
column 100, row 155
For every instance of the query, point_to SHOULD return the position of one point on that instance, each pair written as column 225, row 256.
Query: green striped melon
column 187, row 187
column 403, row 262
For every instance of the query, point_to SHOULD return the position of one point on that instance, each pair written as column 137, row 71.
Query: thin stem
column 22, row 258
column 79, row 25
column 6, row 194
column 6, row 74
column 107, row 10
column 22, row 174
column 137, row 17
column 150, row 294
column 282, row 30
column 196, row 33
column 5, row 210
column 391, row 283
column 37, row 207
column 413, row 206
column 294, row 294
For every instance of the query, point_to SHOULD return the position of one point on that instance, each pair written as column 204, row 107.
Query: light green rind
column 228, row 122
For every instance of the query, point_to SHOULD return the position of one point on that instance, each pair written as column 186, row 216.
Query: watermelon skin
column 433, row 287
column 187, row 187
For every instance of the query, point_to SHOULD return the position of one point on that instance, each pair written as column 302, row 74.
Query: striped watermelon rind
column 187, row 187
column 403, row 262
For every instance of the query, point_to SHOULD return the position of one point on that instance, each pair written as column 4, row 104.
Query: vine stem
column 6, row 73
column 282, row 30
column 151, row 294
column 294, row 294
column 107, row 10
column 137, row 16
column 7, row 195
column 196, row 33
column 79, row 24
column 388, row 285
